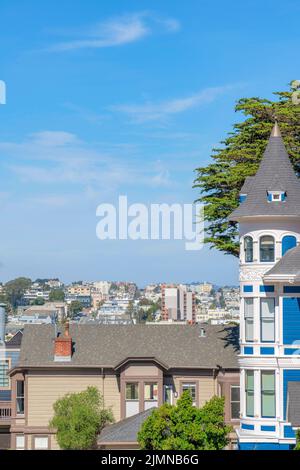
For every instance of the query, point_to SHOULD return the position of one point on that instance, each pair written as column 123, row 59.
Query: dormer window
column 276, row 196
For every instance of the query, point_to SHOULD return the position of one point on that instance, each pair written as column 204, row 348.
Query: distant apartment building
column 102, row 287
column 79, row 290
column 178, row 304
column 135, row 367
column 205, row 288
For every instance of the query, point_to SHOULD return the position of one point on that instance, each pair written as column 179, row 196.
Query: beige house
column 135, row 367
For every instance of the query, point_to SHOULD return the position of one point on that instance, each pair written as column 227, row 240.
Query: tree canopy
column 239, row 156
column 15, row 289
column 78, row 419
column 185, row 427
column 57, row 295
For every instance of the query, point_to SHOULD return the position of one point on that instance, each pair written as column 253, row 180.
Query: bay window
column 249, row 390
column 20, row 397
column 268, row 402
column 150, row 395
column 267, row 320
column 249, row 318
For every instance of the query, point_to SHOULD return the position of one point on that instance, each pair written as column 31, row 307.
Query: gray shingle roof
column 275, row 173
column 293, row 410
column 108, row 345
column 289, row 264
column 125, row 430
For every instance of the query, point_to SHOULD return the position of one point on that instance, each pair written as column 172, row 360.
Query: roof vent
column 202, row 332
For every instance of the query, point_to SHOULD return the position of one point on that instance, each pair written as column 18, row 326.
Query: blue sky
column 123, row 97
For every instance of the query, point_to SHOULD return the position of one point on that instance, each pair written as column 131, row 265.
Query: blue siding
column 291, row 375
column 248, row 350
column 268, row 428
column 291, row 320
column 291, row 351
column 291, row 289
column 264, row 351
column 248, row 288
column 266, row 288
column 288, row 242
column 263, row 446
column 289, row 432
column 250, row 427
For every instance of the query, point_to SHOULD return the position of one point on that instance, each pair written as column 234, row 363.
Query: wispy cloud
column 162, row 110
column 118, row 31
column 60, row 158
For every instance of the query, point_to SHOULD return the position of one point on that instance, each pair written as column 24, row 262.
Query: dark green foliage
column 238, row 157
column 185, row 427
column 78, row 419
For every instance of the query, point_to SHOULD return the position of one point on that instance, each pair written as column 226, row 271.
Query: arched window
column 267, row 249
column 248, row 248
column 288, row 242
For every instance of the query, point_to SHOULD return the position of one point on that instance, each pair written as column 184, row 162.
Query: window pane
column 248, row 247
column 249, row 393
column 268, row 404
column 41, row 443
column 248, row 307
column 150, row 391
column 132, row 391
column 20, row 442
column 20, row 397
column 267, row 315
column 267, row 249
column 192, row 389
column 235, row 393
column 235, row 410
column 168, row 394
column 4, row 379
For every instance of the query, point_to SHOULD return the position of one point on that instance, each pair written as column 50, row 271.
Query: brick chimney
column 63, row 346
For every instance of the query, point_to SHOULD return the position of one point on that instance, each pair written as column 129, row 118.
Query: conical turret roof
column 275, row 173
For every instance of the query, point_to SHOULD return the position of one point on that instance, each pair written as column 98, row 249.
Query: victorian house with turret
column 269, row 227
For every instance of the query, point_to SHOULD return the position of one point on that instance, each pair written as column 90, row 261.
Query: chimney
column 63, row 346
column 2, row 323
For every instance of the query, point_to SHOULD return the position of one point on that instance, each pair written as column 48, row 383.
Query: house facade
column 269, row 226
column 135, row 367
column 9, row 356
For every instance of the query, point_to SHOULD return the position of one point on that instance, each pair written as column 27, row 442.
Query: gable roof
column 175, row 346
column 275, row 173
column 287, row 267
column 125, row 430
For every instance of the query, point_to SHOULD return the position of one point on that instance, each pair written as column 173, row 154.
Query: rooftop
column 173, row 346
column 275, row 173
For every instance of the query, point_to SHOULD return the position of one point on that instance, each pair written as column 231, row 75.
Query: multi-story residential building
column 102, row 287
column 9, row 355
column 269, row 226
column 135, row 367
column 178, row 304
column 83, row 290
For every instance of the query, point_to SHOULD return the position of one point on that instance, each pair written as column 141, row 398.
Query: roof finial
column 276, row 131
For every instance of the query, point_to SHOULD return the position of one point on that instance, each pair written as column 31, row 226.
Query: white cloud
column 158, row 111
column 60, row 158
column 118, row 31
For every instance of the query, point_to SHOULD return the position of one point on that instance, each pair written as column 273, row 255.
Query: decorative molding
column 253, row 274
